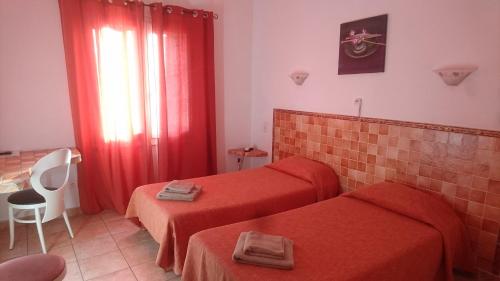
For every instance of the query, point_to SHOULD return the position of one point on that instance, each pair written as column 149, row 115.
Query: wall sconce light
column 299, row 77
column 454, row 75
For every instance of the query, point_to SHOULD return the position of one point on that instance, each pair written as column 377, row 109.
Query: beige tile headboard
column 461, row 163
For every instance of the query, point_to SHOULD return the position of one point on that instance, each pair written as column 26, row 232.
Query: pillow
column 318, row 174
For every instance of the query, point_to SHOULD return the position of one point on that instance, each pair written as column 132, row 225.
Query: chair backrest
column 54, row 198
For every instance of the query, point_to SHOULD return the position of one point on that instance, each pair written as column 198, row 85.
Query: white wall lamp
column 454, row 75
column 299, row 77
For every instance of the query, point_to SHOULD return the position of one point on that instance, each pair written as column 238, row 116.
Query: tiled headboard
column 463, row 164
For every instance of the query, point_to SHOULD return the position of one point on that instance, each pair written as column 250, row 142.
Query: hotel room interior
column 204, row 140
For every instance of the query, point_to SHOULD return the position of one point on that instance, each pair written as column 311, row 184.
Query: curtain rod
column 187, row 11
column 170, row 10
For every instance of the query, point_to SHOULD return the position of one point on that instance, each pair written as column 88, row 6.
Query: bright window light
column 119, row 85
column 153, row 83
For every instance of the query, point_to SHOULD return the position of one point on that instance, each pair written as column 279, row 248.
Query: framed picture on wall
column 363, row 45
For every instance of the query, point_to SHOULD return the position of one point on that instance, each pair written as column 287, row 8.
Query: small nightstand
column 241, row 154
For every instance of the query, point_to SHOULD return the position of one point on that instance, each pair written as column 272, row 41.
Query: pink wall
column 237, row 75
column 34, row 104
column 293, row 35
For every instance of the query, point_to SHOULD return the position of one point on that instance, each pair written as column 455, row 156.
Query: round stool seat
column 34, row 268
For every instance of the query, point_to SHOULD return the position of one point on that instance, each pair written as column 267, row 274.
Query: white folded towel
column 183, row 187
column 240, row 256
column 163, row 195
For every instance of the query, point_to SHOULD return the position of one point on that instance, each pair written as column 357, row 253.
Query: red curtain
column 138, row 118
column 187, row 144
column 103, row 44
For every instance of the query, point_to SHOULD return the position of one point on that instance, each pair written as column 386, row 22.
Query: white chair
column 39, row 197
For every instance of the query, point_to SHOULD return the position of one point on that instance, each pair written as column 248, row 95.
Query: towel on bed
column 286, row 263
column 165, row 195
column 183, row 187
column 264, row 245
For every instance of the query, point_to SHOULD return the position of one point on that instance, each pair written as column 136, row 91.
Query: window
column 124, row 111
column 117, row 64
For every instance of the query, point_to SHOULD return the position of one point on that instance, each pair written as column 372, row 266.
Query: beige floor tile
column 80, row 225
column 131, row 238
column 72, row 272
column 101, row 265
column 66, row 252
column 20, row 233
column 152, row 272
column 94, row 247
column 90, row 232
column 108, row 215
column 4, row 225
column 85, row 220
column 122, row 275
column 52, row 241
column 53, row 226
column 141, row 253
column 82, row 221
column 20, row 249
column 73, row 212
column 121, row 225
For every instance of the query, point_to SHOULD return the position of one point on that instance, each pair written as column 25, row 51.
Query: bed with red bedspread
column 229, row 198
column 384, row 232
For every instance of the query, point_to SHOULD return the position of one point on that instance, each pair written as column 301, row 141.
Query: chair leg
column 11, row 228
column 40, row 230
column 68, row 225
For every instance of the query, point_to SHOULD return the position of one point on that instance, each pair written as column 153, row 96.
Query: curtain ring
column 205, row 15
column 195, row 14
column 169, row 10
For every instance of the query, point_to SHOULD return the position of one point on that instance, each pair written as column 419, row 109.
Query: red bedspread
column 342, row 239
column 226, row 199
column 427, row 209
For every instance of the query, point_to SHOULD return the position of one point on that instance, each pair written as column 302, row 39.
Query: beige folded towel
column 163, row 195
column 286, row 263
column 264, row 245
column 183, row 187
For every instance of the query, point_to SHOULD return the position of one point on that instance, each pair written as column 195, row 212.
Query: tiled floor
column 105, row 247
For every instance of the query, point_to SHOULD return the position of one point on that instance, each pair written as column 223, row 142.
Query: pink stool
column 34, row 268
